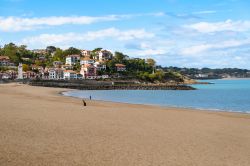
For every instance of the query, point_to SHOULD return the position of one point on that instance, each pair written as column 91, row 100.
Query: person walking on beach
column 90, row 97
column 84, row 103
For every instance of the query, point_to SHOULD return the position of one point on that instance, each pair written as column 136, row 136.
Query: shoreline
column 39, row 126
column 235, row 78
column 161, row 106
column 152, row 106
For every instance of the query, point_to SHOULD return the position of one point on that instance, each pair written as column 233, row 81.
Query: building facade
column 55, row 74
column 4, row 61
column 120, row 67
column 104, row 55
column 69, row 75
column 72, row 59
column 87, row 70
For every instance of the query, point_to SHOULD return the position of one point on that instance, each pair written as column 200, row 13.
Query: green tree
column 111, row 66
column 97, row 49
column 151, row 62
column 25, row 67
column 71, row 51
column 11, row 50
column 50, row 49
column 120, row 57
column 59, row 55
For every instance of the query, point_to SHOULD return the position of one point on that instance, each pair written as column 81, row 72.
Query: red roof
column 86, row 59
column 73, row 55
column 69, row 71
column 4, row 57
column 120, row 65
column 88, row 65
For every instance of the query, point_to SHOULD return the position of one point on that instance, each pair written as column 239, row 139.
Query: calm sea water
column 223, row 95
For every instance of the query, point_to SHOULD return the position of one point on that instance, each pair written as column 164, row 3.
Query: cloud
column 228, row 25
column 201, row 48
column 182, row 15
column 110, row 33
column 16, row 24
column 151, row 48
column 205, row 12
column 9, row 24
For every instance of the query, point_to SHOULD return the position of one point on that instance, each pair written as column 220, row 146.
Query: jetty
column 106, row 85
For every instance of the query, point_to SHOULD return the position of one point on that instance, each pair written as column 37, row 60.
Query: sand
column 40, row 127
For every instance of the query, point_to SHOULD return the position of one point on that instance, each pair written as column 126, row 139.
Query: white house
column 39, row 51
column 104, row 55
column 4, row 61
column 201, row 75
column 85, row 53
column 100, row 66
column 57, row 63
column 87, row 60
column 55, row 74
column 72, row 59
column 69, row 75
column 66, row 67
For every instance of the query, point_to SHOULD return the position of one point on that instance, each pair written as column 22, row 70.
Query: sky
column 183, row 33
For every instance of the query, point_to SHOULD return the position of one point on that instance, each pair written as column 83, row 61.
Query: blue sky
column 184, row 33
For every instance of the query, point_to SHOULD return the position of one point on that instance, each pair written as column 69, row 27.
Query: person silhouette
column 90, row 97
column 84, row 103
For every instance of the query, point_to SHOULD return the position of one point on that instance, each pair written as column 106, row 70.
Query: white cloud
column 201, row 48
column 9, row 24
column 205, row 12
column 61, row 39
column 16, row 24
column 151, row 52
column 228, row 25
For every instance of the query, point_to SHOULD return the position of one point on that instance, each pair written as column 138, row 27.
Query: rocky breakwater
column 103, row 85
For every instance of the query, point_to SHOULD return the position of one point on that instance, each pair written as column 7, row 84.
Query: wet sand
column 40, row 127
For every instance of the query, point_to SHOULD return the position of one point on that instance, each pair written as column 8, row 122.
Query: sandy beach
column 38, row 126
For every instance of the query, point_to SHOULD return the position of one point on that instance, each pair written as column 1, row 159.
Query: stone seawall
column 107, row 86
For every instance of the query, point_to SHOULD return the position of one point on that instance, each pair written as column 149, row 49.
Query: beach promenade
column 38, row 126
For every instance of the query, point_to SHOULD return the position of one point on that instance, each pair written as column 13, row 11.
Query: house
column 88, row 70
column 201, row 75
column 86, row 53
column 100, row 66
column 29, row 75
column 72, row 59
column 57, row 64
column 67, row 67
column 55, row 74
column 79, row 76
column 4, row 76
column 9, row 74
column 42, row 57
column 120, row 67
column 69, row 75
column 87, row 60
column 4, row 61
column 35, row 67
column 39, row 51
column 104, row 55
column 26, row 59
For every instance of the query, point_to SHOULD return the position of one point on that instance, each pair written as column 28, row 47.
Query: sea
column 231, row 95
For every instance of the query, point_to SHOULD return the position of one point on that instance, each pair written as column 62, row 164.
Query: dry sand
column 40, row 127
